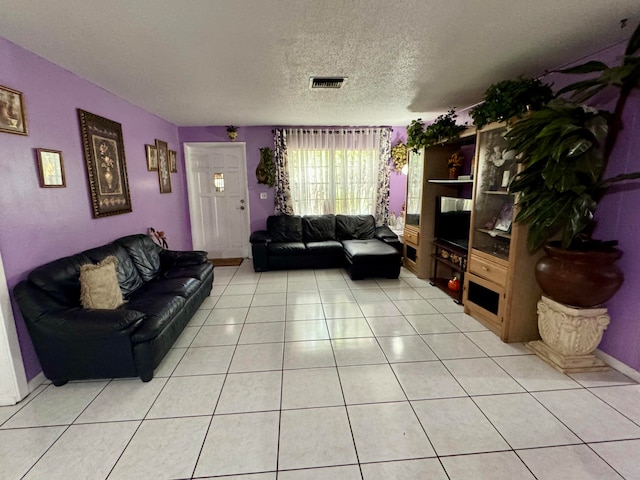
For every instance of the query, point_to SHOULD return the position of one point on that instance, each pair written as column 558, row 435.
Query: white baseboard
column 36, row 381
column 8, row 400
column 618, row 365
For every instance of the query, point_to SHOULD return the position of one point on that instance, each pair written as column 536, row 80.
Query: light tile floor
column 307, row 375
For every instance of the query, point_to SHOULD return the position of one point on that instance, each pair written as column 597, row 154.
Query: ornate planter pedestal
column 569, row 336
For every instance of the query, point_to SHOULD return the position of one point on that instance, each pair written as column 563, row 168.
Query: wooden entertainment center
column 496, row 271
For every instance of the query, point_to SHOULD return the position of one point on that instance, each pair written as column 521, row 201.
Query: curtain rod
column 330, row 131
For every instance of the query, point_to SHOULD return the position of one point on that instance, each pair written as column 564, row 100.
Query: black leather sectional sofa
column 162, row 290
column 322, row 241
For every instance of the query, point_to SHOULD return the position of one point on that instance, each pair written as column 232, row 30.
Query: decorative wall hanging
column 12, row 116
column 163, row 166
column 152, row 158
column 399, row 157
column 106, row 164
column 266, row 170
column 173, row 167
column 232, row 133
column 50, row 168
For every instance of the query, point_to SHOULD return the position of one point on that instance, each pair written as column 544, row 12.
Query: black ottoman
column 371, row 258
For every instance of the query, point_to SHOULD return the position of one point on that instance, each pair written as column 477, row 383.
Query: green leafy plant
column 266, row 170
column 510, row 98
column 443, row 128
column 565, row 148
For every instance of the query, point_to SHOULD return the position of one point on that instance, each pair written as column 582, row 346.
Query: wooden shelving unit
column 433, row 182
column 454, row 260
column 500, row 289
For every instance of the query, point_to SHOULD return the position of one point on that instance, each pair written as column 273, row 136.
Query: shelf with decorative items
column 500, row 290
column 427, row 181
column 454, row 261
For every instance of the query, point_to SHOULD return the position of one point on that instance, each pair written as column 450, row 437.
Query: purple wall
column 258, row 137
column 255, row 138
column 39, row 225
column 43, row 224
column 618, row 219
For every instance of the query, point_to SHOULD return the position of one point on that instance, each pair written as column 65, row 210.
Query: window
column 333, row 171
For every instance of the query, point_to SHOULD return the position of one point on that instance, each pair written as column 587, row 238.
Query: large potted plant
column 565, row 148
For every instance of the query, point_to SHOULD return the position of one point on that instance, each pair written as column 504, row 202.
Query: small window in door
column 218, row 181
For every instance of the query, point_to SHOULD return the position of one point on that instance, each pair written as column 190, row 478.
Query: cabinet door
column 414, row 188
column 484, row 301
column 493, row 205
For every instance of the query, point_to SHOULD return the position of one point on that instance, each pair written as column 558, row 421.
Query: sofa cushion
column 285, row 228
column 191, row 271
column 159, row 310
column 61, row 278
column 185, row 287
column 287, row 248
column 317, row 228
column 355, row 227
column 368, row 251
column 128, row 276
column 329, row 247
column 99, row 287
column 144, row 254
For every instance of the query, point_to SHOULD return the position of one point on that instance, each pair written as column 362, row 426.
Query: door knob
column 242, row 207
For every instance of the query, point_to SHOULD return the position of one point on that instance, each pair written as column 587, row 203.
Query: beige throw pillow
column 99, row 286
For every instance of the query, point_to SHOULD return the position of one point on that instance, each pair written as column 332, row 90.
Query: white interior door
column 218, row 198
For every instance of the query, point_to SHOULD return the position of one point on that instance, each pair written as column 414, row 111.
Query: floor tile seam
column 590, row 447
column 47, row 451
column 323, row 467
column 443, row 358
column 25, row 403
column 507, row 373
column 636, row 423
column 346, row 410
column 492, row 423
column 280, row 409
column 531, row 394
column 488, row 354
column 215, row 407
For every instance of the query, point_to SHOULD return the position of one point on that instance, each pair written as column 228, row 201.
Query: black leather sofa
column 324, row 241
column 162, row 290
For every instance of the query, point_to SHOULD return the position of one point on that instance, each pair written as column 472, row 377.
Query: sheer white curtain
column 334, row 170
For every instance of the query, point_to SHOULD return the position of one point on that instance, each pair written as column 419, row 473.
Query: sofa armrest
column 383, row 232
column 173, row 258
column 260, row 236
column 83, row 323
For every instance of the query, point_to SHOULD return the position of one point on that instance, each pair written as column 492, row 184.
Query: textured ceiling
column 248, row 62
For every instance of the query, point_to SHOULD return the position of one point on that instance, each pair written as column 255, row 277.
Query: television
column 453, row 220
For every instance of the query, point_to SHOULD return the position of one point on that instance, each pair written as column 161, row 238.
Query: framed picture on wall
column 173, row 167
column 152, row 157
column 12, row 115
column 164, row 175
column 106, row 165
column 50, row 168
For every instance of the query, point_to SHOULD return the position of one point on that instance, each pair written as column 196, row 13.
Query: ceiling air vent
column 327, row 82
